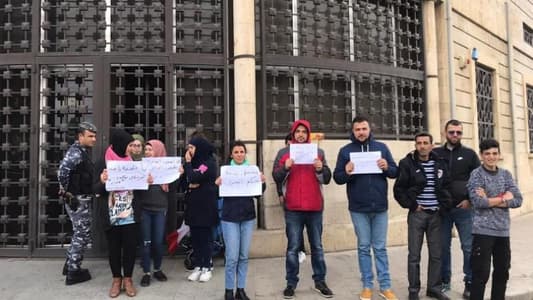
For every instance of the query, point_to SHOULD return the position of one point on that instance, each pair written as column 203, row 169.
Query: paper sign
column 163, row 169
column 126, row 175
column 240, row 181
column 366, row 162
column 303, row 154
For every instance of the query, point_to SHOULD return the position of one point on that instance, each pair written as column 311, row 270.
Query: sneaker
column 466, row 292
column 288, row 293
column 322, row 289
column 366, row 294
column 145, row 280
column 445, row 287
column 301, row 257
column 195, row 275
column 388, row 295
column 205, row 275
column 160, row 276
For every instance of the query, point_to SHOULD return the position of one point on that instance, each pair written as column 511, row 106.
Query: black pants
column 122, row 241
column 484, row 248
column 202, row 242
column 418, row 223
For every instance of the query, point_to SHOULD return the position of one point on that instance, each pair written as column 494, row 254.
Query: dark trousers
column 202, row 243
column 122, row 241
column 484, row 248
column 418, row 223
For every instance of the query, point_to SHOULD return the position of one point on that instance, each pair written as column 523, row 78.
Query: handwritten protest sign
column 303, row 154
column 126, row 175
column 366, row 162
column 163, row 169
column 238, row 181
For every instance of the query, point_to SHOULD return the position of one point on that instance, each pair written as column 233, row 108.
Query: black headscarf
column 119, row 139
column 204, row 151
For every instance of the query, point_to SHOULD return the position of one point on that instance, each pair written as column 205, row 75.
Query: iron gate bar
column 341, row 65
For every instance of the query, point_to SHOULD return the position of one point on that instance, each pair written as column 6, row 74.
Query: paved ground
column 41, row 278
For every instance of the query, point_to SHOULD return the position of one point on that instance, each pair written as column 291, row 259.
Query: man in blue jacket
column 368, row 204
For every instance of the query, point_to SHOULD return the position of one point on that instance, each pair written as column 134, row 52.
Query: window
column 529, row 95
column 528, row 34
column 485, row 101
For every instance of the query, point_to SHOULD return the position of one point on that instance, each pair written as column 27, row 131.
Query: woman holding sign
column 201, row 207
column 120, row 214
column 238, row 218
column 154, row 204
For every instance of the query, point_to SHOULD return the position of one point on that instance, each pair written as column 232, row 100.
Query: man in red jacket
column 303, row 203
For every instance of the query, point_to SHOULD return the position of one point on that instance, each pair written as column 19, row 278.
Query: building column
column 244, row 75
column 431, row 69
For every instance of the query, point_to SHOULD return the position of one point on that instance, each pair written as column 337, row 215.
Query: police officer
column 75, row 178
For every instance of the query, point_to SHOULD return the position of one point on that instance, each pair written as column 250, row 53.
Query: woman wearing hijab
column 120, row 219
column 238, row 219
column 200, row 172
column 154, row 203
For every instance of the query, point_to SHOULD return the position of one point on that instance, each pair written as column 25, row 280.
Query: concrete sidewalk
column 41, row 278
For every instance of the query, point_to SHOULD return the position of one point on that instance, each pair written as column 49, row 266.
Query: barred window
column 485, row 102
column 328, row 61
column 529, row 94
column 528, row 34
column 15, row 26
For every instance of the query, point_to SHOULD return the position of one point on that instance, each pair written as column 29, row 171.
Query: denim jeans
column 295, row 222
column 463, row 222
column 371, row 231
column 153, row 230
column 418, row 224
column 237, row 240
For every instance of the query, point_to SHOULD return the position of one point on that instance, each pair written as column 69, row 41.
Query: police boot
column 77, row 276
column 65, row 268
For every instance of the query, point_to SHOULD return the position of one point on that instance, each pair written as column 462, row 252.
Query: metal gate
column 154, row 67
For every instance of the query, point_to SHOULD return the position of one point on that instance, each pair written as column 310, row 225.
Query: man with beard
column 461, row 162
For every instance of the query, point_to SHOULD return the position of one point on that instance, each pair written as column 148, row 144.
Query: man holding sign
column 303, row 202
column 366, row 187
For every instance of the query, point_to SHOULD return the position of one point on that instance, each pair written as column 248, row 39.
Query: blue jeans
column 237, row 240
column 153, row 230
column 295, row 222
column 463, row 222
column 371, row 231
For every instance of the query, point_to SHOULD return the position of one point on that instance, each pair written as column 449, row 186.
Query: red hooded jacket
column 301, row 184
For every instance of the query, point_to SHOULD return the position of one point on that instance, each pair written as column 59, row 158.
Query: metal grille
column 381, row 42
column 15, row 103
column 330, row 99
column 278, row 27
column 15, row 26
column 198, row 26
column 323, row 29
column 112, row 25
column 138, row 99
column 66, row 99
column 529, row 91
column 199, row 105
column 485, row 102
column 138, row 25
column 73, row 26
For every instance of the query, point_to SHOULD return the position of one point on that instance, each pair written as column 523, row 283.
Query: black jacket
column 412, row 180
column 461, row 161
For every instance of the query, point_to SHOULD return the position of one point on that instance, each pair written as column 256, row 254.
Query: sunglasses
column 455, row 132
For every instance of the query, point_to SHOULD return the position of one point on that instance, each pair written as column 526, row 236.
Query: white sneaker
column 206, row 275
column 195, row 275
column 301, row 256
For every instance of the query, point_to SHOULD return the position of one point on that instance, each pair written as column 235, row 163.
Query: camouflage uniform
column 75, row 177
